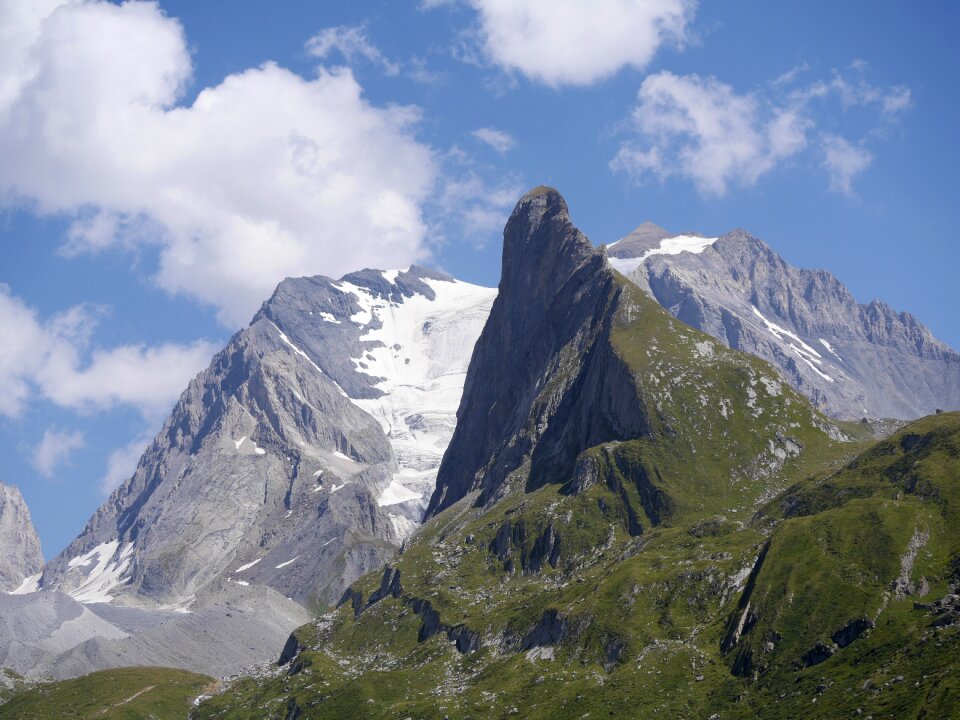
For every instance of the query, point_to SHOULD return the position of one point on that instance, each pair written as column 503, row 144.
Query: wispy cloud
column 122, row 462
column 854, row 90
column 54, row 449
column 473, row 201
column 500, row 141
column 843, row 162
column 352, row 42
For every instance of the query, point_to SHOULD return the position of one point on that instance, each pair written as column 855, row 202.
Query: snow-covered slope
column 418, row 359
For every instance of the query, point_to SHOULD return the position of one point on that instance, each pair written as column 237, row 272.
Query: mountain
column 625, row 517
column 851, row 360
column 301, row 458
column 571, row 359
column 632, row 520
column 20, row 556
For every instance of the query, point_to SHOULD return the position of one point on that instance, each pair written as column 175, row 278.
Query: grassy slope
column 669, row 594
column 835, row 550
column 122, row 694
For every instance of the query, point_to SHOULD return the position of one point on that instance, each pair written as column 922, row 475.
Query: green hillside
column 122, row 694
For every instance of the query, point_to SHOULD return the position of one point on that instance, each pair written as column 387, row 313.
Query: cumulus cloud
column 148, row 378
column 703, row 130
column 265, row 175
column 122, row 462
column 352, row 42
column 501, row 142
column 571, row 42
column 53, row 359
column 53, row 450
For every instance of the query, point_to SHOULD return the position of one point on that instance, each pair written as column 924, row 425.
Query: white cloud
column 843, row 162
column 24, row 344
column 53, row 359
column 702, row 130
column 122, row 462
column 264, row 176
column 571, row 42
column 854, row 91
column 418, row 71
column 53, row 450
column 351, row 42
column 148, row 378
column 501, row 142
column 699, row 128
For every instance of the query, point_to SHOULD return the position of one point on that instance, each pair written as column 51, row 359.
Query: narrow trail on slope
column 128, row 700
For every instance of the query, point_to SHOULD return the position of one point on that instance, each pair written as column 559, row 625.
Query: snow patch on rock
column 248, row 565
column 109, row 560
column 805, row 352
column 668, row 246
column 29, row 585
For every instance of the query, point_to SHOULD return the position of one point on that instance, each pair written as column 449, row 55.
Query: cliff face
column 539, row 367
column 20, row 556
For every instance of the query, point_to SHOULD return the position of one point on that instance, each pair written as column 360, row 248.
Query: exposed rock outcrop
column 543, row 384
column 20, row 556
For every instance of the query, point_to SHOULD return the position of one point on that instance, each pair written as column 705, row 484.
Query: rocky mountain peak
column 541, row 247
column 573, row 357
column 542, row 196
column 649, row 228
column 554, row 287
column 20, row 555
column 301, row 458
column 644, row 237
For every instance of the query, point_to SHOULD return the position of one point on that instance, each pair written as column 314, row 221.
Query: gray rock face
column 541, row 386
column 20, row 555
column 851, row 360
column 300, row 459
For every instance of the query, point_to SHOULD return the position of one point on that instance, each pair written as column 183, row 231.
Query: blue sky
column 165, row 165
